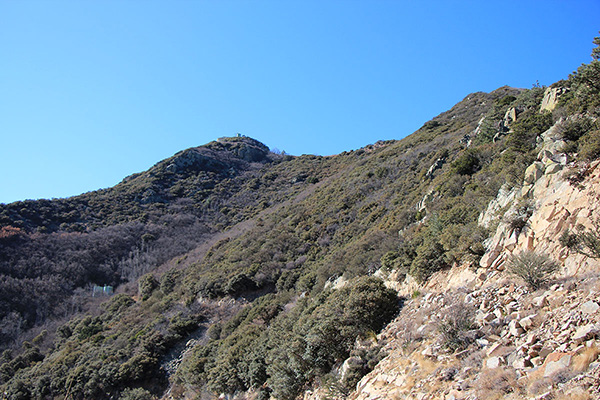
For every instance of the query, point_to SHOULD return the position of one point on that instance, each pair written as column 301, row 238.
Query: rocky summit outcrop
column 224, row 153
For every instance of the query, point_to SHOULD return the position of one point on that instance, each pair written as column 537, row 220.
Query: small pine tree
column 586, row 242
column 596, row 50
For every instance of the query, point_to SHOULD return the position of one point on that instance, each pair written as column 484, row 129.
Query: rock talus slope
column 521, row 344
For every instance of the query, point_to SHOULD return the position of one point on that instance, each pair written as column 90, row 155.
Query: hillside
column 508, row 339
column 242, row 273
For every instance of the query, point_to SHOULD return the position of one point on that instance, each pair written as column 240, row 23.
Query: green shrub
column 589, row 146
column 467, row 164
column 585, row 84
column 505, row 101
column 183, row 325
column 146, row 286
column 430, row 258
column 582, row 241
column 18, row 390
column 287, row 280
column 574, row 127
column 381, row 172
column 136, row 394
column 88, row 327
column 526, row 130
column 169, row 280
column 119, row 302
column 534, row 268
column 519, row 218
column 349, row 312
column 240, row 283
column 388, row 260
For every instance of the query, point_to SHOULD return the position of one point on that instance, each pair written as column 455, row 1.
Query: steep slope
column 490, row 330
column 517, row 342
column 246, row 274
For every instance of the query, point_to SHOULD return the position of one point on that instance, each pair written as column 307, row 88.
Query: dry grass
column 575, row 394
column 426, row 366
column 582, row 361
column 473, row 362
column 539, row 386
column 498, row 383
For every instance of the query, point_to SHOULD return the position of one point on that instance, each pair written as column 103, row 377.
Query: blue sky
column 93, row 91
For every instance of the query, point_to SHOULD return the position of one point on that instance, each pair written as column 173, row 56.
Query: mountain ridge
column 258, row 275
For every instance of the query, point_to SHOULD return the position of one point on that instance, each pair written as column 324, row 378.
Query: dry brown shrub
column 537, row 383
column 575, row 394
column 498, row 383
column 582, row 361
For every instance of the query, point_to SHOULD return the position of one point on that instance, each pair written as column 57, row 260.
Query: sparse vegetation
column 457, row 327
column 518, row 219
column 535, row 269
column 583, row 241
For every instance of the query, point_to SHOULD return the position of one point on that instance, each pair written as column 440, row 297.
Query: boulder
column 434, row 167
column 349, row 363
column 545, row 352
column 521, row 363
column 590, row 307
column 515, row 329
column 553, row 168
column 498, row 313
column 483, row 318
column 544, row 155
column 584, row 332
column 428, row 352
column 537, row 361
column 494, row 349
column 531, row 338
column 512, row 241
column 527, row 322
column 494, row 362
column 534, row 172
column 540, row 301
column 556, row 362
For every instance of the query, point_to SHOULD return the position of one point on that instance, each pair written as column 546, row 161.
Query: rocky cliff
column 474, row 333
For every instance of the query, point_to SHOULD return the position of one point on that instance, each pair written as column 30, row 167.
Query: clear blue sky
column 93, row 91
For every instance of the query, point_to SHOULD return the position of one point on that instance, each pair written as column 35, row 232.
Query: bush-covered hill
column 236, row 268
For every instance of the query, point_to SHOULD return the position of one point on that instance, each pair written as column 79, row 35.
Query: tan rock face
column 510, row 117
column 523, row 335
column 550, row 100
column 558, row 206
